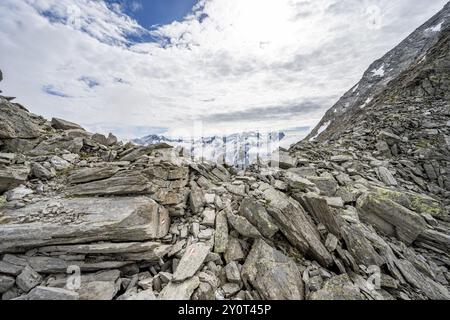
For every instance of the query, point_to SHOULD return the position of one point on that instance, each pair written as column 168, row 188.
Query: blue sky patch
column 150, row 13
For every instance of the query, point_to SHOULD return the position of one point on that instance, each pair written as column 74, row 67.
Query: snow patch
column 355, row 88
column 366, row 103
column 378, row 72
column 436, row 28
column 321, row 129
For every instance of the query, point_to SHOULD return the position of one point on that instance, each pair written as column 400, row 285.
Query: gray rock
column 130, row 251
column 98, row 290
column 41, row 172
column 338, row 288
column 145, row 295
column 232, row 272
column 17, row 122
column 294, row 224
column 274, row 275
column 327, row 185
column 361, row 249
column 386, row 176
column 61, row 124
column 298, row 182
column 100, row 138
column 12, row 177
column 432, row 289
column 179, row 291
column 47, row 293
column 18, row 193
column 111, row 140
column 319, row 208
column 6, row 283
column 58, row 163
column 241, row 225
column 92, row 174
column 286, row 161
column 90, row 220
column 389, row 217
column 123, row 183
column 57, row 145
column 191, row 261
column 209, row 217
column 9, row 268
column 196, row 200
column 341, row 158
column 258, row 216
column 234, row 251
column 230, row 289
column 28, row 279
column 221, row 233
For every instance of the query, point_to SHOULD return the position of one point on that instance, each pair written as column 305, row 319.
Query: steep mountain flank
column 378, row 76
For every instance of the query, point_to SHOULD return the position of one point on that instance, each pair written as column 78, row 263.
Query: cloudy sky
column 136, row 67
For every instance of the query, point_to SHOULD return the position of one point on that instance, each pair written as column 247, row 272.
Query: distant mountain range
column 239, row 149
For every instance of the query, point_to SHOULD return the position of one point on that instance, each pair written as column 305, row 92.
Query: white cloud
column 231, row 57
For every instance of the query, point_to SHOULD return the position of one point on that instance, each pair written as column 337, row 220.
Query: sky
column 138, row 67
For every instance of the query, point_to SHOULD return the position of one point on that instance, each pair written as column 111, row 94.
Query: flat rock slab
column 294, row 224
column 131, row 251
column 82, row 220
column 47, row 293
column 180, row 291
column 338, row 288
column 64, row 124
column 123, row 183
column 191, row 261
column 274, row 275
column 389, row 217
column 92, row 174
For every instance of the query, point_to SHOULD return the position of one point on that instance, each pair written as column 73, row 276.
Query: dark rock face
column 360, row 212
column 378, row 77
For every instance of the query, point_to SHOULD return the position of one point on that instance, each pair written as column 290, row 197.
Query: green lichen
column 422, row 143
column 419, row 203
column 2, row 201
column 429, row 206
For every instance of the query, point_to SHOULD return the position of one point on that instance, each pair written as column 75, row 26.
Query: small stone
column 191, row 261
column 231, row 289
column 209, row 217
column 232, row 272
column 47, row 293
column 6, row 283
column 195, row 229
column 28, row 279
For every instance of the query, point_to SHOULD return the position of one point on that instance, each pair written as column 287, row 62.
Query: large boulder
column 293, row 222
column 180, row 291
column 12, row 177
column 65, row 125
column 258, row 216
column 389, row 217
column 274, row 275
column 338, row 288
column 17, row 122
column 80, row 221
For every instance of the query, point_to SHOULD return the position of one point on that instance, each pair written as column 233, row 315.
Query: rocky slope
column 362, row 214
column 378, row 76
